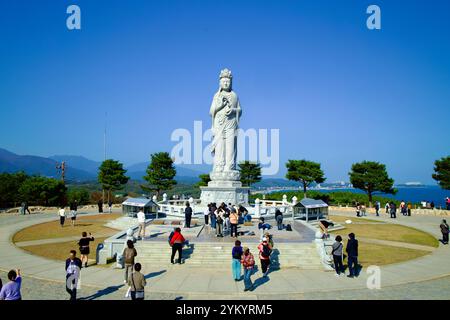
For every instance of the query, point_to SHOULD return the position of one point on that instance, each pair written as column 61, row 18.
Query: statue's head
column 225, row 80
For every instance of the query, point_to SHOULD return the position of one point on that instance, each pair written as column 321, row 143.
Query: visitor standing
column 26, row 209
column 432, row 205
column 236, row 254
column 248, row 263
column 176, row 243
column 352, row 252
column 137, row 282
column 447, row 203
column 206, row 213
column 393, row 210
column 212, row 214
column 409, row 208
column 188, row 215
column 358, row 209
column 444, row 230
column 62, row 216
column 129, row 253
column 264, row 256
column 387, row 207
column 219, row 221
column 141, row 222
column 279, row 219
column 84, row 247
column 337, row 251
column 11, row 290
column 403, row 210
column 73, row 268
column 100, row 206
column 110, row 204
column 234, row 219
column 73, row 212
column 377, row 208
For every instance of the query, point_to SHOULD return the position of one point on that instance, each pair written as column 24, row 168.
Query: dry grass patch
column 342, row 219
column 52, row 229
column 374, row 254
column 390, row 232
column 60, row 251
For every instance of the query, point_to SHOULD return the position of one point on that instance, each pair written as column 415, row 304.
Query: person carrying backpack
column 129, row 253
column 264, row 256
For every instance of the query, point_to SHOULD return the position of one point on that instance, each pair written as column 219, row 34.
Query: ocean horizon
column 408, row 194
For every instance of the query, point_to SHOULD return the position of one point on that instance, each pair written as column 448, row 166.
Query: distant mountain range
column 11, row 162
column 81, row 169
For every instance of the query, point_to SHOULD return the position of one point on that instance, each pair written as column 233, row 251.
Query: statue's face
column 225, row 84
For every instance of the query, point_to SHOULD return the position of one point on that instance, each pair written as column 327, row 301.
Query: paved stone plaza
column 427, row 277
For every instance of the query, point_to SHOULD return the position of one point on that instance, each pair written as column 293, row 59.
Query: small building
column 309, row 209
column 131, row 206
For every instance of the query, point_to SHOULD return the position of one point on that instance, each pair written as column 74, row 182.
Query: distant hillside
column 11, row 162
column 275, row 182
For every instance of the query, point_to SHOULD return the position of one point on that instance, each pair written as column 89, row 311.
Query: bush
column 81, row 195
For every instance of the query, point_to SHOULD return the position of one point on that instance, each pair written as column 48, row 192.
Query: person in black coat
column 73, row 267
column 188, row 215
column 352, row 252
column 445, row 231
column 393, row 210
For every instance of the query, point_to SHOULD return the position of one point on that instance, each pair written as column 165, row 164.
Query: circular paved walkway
column 427, row 277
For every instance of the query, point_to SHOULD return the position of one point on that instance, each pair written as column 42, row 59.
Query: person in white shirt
column 207, row 213
column 62, row 216
column 141, row 221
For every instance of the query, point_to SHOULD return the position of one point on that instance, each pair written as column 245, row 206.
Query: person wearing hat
column 264, row 256
column 248, row 262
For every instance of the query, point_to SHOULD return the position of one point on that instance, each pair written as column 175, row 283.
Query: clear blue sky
column 338, row 92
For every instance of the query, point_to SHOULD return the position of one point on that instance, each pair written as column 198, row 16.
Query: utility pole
column 104, row 155
column 62, row 168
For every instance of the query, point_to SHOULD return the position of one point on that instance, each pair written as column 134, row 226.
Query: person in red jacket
column 176, row 242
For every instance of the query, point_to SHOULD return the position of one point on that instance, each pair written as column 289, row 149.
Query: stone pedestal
column 227, row 191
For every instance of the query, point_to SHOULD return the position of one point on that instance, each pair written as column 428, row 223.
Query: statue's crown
column 225, row 73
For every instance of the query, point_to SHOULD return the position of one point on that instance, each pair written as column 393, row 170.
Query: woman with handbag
column 337, row 256
column 137, row 282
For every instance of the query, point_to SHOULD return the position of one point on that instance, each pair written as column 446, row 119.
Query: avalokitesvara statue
column 225, row 112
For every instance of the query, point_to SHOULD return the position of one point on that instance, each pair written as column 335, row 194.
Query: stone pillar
column 284, row 199
column 294, row 202
column 165, row 197
column 154, row 198
column 257, row 208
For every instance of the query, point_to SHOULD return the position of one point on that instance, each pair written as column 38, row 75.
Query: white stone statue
column 225, row 112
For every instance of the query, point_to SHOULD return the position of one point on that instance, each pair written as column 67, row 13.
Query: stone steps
column 303, row 256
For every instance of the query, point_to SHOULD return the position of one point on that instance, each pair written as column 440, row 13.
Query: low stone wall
column 432, row 212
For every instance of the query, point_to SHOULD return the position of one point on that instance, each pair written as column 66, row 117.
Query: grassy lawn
column 341, row 219
column 60, row 250
column 52, row 230
column 390, row 232
column 374, row 254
